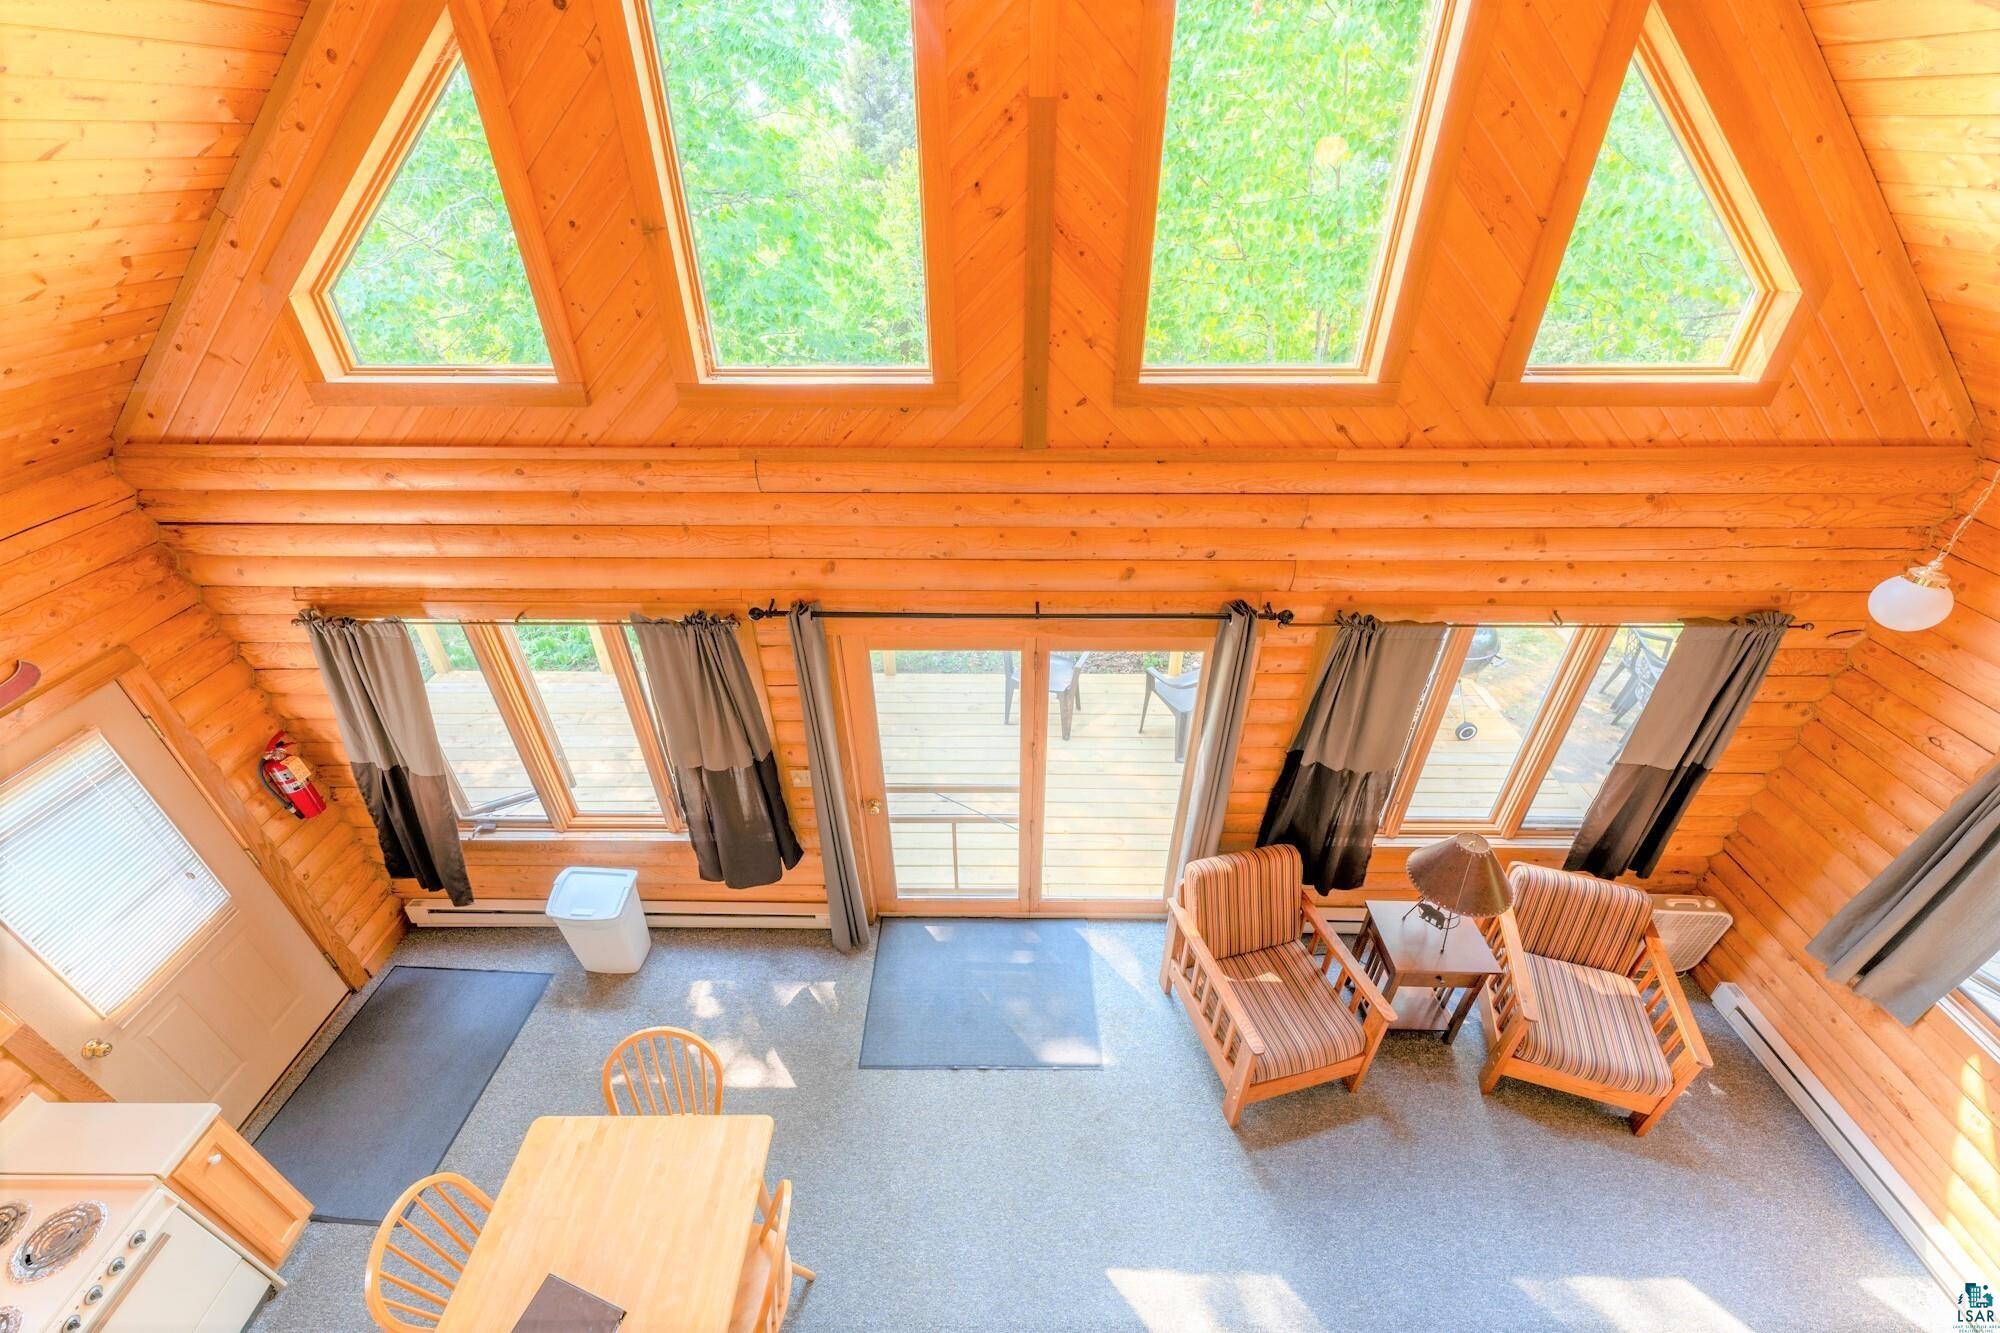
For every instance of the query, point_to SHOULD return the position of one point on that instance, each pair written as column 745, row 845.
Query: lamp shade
column 1911, row 601
column 1462, row 875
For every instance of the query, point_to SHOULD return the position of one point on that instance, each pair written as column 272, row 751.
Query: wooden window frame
column 329, row 370
column 498, row 654
column 1761, row 351
column 1507, row 818
column 1447, row 83
column 645, row 124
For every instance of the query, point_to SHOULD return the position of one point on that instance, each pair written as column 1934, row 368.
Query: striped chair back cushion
column 1245, row 901
column 1578, row 918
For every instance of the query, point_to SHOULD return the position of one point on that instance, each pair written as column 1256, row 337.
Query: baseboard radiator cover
column 534, row 912
column 1935, row 1246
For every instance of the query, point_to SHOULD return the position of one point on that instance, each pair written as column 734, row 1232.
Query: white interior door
column 138, row 936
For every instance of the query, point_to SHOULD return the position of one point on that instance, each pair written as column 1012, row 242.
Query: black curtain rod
column 1286, row 619
column 1267, row 613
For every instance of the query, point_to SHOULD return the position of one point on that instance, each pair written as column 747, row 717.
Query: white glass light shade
column 1914, row 600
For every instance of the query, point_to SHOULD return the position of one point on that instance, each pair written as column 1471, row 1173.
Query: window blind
column 94, row 877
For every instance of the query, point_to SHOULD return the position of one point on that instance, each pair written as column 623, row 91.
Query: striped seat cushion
column 1303, row 1024
column 1577, row 918
column 1244, row 901
column 1591, row 1024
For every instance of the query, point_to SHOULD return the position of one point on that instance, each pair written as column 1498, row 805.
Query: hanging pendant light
column 1920, row 596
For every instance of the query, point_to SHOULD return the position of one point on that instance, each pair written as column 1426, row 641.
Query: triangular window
column 1667, row 270
column 432, row 282
column 435, row 277
column 1650, row 277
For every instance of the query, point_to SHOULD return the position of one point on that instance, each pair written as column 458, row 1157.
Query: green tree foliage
column 436, row 278
column 1650, row 277
column 795, row 123
column 1285, row 121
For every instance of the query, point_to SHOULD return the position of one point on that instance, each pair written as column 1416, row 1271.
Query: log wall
column 1899, row 734
column 84, row 573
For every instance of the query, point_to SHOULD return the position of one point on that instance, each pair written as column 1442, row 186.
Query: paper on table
column 564, row 1307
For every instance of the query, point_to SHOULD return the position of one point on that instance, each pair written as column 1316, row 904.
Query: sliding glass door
column 951, row 770
column 1116, row 736
column 1003, row 771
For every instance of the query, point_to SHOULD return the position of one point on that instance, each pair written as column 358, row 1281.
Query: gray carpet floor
column 1117, row 1199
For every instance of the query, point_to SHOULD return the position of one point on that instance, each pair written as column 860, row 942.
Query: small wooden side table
column 1404, row 952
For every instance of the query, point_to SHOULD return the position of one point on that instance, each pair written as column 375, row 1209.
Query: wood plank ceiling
column 112, row 177
column 1921, row 79
column 1871, row 365
column 120, row 122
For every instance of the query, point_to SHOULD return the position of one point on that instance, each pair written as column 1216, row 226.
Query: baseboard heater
column 1932, row 1241
column 534, row 912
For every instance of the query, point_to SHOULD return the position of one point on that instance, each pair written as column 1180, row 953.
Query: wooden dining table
column 650, row 1213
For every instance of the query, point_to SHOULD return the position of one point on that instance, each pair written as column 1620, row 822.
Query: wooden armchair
column 1588, row 1003
column 1276, row 1012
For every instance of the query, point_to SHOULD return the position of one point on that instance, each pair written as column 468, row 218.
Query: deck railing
column 956, row 813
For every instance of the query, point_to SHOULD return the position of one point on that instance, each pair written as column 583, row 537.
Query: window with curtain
column 1520, row 726
column 546, row 726
column 95, row 879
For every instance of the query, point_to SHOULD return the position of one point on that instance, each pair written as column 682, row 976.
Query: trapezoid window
column 1285, row 150
column 794, row 152
column 1650, row 276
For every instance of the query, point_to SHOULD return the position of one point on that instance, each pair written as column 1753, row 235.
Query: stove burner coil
column 10, row 1319
column 55, row 1242
column 13, row 1214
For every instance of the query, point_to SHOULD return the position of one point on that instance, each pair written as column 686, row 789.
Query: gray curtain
column 385, row 723
column 1225, row 695
column 1931, row 918
column 846, row 906
column 1330, row 795
column 719, row 756
column 1708, row 682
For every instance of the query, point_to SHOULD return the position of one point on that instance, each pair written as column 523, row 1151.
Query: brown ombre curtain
column 1335, row 784
column 1707, row 684
column 718, row 749
column 385, row 722
column 1930, row 919
column 1224, row 698
column 846, row 904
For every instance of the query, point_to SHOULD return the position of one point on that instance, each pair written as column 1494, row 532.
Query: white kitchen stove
column 75, row 1252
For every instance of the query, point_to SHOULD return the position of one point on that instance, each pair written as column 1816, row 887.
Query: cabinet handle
column 215, row 1159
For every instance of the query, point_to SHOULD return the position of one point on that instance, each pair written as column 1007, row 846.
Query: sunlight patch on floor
column 1633, row 1305
column 1167, row 1301
column 1117, row 954
column 1914, row 1299
column 741, row 1068
column 825, row 994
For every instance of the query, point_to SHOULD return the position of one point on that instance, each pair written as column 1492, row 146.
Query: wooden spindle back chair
column 420, row 1250
column 770, row 1257
column 663, row 1071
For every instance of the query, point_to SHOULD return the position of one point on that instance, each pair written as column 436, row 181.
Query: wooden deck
column 608, row 774
column 952, row 770
column 952, row 767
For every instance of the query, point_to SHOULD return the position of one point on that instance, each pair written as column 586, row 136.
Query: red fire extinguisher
column 289, row 778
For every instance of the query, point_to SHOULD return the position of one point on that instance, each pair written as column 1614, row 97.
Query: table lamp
column 1459, row 876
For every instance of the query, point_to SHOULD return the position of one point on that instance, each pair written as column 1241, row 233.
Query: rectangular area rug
column 966, row 993
column 392, row 1091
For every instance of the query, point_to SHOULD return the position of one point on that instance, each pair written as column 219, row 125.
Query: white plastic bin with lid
column 600, row 915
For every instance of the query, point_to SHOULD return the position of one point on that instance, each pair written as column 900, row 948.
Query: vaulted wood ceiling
column 123, row 119
column 1921, row 79
column 120, row 123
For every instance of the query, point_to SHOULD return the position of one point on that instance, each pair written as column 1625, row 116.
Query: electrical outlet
column 801, row 778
